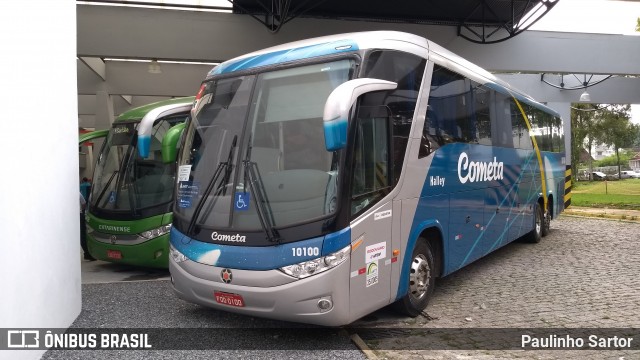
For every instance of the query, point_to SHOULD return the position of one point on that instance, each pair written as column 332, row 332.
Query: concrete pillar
column 39, row 216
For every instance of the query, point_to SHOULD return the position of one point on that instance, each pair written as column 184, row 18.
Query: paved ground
column 583, row 275
column 98, row 272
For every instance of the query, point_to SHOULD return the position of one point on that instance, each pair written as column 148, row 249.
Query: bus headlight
column 176, row 255
column 154, row 233
column 316, row 266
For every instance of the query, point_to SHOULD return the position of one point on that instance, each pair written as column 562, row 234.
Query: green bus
column 129, row 215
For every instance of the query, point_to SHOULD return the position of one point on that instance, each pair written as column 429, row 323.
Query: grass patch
column 619, row 187
column 622, row 194
column 630, row 202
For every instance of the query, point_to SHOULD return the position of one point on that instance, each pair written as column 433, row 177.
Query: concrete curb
column 596, row 217
column 357, row 340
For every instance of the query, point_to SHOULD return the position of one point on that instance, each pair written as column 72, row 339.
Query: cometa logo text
column 230, row 238
column 474, row 171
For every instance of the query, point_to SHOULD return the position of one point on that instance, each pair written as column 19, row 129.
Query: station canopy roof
column 479, row 21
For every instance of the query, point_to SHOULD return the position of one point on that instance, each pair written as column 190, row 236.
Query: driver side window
column 371, row 179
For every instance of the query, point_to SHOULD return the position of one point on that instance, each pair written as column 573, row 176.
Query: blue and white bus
column 324, row 179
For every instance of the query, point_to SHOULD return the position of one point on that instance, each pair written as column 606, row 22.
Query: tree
column 584, row 126
column 638, row 25
column 617, row 130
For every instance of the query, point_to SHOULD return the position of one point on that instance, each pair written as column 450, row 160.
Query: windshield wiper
column 223, row 165
column 104, row 190
column 263, row 207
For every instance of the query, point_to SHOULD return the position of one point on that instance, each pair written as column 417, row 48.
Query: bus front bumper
column 151, row 253
column 290, row 300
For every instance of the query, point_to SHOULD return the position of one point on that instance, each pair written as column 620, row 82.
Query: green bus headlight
column 154, row 233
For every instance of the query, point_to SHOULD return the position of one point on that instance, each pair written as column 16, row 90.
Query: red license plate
column 228, row 299
column 114, row 254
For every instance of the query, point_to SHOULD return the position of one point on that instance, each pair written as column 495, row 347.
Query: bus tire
column 546, row 223
column 421, row 281
column 536, row 234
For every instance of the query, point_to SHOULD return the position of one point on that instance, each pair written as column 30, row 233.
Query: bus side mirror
column 338, row 104
column 170, row 143
column 146, row 124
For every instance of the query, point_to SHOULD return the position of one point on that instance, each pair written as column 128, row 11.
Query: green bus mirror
column 170, row 143
column 338, row 105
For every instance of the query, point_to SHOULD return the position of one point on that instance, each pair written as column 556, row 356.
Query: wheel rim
column 419, row 277
column 547, row 218
column 538, row 221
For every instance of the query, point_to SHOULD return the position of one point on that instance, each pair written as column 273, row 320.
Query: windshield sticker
column 372, row 273
column 112, row 197
column 183, row 172
column 375, row 252
column 187, row 191
column 242, row 201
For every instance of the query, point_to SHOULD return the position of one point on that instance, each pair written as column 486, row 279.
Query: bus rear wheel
column 536, row 234
column 546, row 222
column 421, row 281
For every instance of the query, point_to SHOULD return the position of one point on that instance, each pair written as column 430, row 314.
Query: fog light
column 157, row 254
column 325, row 305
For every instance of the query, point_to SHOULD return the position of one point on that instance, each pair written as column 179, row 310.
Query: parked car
column 599, row 176
column 628, row 174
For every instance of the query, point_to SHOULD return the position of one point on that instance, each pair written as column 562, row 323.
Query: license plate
column 228, row 299
column 114, row 254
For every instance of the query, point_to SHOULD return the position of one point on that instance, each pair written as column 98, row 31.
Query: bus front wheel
column 421, row 280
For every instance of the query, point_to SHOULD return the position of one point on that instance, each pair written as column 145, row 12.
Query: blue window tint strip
column 258, row 258
column 278, row 57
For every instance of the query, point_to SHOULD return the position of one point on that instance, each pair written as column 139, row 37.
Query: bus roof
column 139, row 112
column 348, row 42
column 314, row 47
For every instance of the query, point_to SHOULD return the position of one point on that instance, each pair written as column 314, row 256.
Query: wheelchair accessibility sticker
column 242, row 201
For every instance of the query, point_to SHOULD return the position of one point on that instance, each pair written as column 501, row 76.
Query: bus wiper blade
column 221, row 166
column 105, row 188
column 263, row 208
column 222, row 188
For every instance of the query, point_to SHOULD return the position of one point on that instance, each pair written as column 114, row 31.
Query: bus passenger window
column 407, row 71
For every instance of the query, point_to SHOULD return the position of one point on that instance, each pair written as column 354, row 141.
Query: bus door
column 371, row 211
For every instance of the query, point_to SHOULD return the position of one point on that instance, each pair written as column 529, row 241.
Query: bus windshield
column 126, row 183
column 254, row 156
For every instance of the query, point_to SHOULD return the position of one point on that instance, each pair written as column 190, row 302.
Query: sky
column 594, row 16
